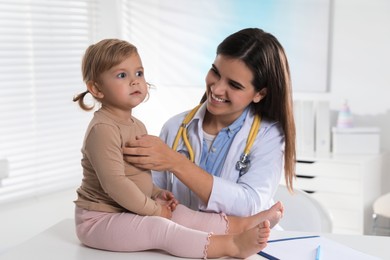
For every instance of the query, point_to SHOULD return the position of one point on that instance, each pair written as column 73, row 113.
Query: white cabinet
column 346, row 185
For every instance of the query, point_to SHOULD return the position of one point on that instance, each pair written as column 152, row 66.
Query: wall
column 182, row 36
column 359, row 67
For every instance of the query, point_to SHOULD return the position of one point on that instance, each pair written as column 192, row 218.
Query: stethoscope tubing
column 241, row 165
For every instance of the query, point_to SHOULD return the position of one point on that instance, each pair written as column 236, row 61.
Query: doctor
column 229, row 153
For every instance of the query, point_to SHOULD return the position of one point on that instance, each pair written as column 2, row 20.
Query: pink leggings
column 187, row 234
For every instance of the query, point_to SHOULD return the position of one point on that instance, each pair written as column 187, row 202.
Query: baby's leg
column 130, row 232
column 203, row 221
column 222, row 224
column 273, row 215
column 240, row 245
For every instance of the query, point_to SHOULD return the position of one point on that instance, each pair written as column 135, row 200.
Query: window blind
column 41, row 128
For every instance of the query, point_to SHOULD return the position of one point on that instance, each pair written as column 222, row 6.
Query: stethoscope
column 242, row 165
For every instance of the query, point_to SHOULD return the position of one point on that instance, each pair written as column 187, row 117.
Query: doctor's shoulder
column 270, row 138
column 271, row 129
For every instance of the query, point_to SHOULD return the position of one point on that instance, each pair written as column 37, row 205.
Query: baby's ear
column 94, row 90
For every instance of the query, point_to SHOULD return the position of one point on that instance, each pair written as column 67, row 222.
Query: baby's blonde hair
column 99, row 58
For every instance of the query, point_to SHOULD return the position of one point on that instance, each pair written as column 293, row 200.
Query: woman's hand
column 150, row 152
column 166, row 198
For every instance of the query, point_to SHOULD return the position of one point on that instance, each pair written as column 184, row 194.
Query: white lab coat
column 231, row 194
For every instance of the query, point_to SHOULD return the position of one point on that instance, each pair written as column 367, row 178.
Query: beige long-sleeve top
column 109, row 183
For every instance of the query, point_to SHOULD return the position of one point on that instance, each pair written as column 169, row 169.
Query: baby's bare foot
column 252, row 241
column 275, row 213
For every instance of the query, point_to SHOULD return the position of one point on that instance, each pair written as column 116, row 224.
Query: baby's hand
column 166, row 212
column 167, row 198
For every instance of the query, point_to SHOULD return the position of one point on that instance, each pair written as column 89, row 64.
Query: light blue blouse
column 213, row 157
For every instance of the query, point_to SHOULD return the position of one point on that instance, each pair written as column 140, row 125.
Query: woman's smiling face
column 229, row 88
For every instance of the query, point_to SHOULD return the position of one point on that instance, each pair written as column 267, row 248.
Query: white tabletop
column 60, row 242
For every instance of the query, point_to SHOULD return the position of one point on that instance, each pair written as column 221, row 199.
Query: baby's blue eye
column 139, row 73
column 122, row 75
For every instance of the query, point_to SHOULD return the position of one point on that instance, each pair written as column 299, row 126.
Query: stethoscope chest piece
column 243, row 164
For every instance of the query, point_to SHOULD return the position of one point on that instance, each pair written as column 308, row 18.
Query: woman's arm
column 253, row 191
column 234, row 195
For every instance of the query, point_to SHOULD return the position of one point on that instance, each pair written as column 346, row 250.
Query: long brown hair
column 266, row 58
